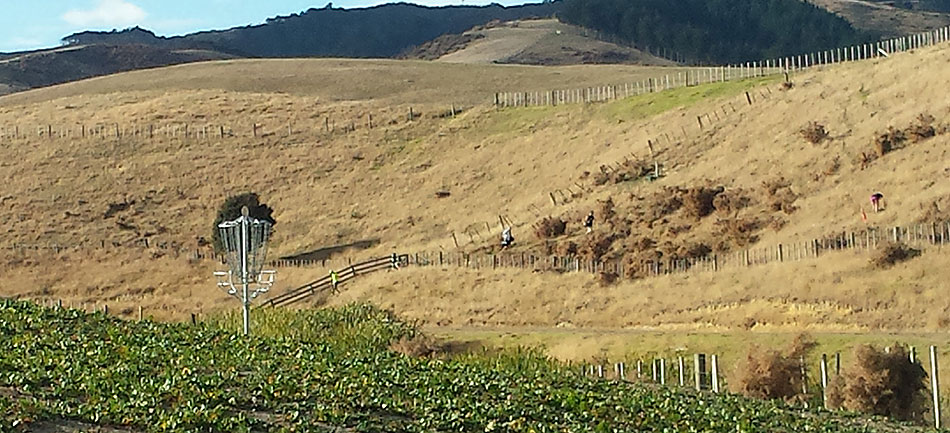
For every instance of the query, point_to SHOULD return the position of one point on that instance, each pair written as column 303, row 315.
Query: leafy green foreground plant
column 335, row 373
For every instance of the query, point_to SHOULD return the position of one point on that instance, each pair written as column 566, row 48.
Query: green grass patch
column 651, row 104
column 518, row 120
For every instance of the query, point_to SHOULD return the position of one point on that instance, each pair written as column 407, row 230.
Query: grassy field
column 66, row 370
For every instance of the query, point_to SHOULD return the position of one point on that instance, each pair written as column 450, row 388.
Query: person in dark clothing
column 877, row 201
column 589, row 222
column 506, row 238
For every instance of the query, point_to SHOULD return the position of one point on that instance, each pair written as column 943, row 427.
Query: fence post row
column 700, row 75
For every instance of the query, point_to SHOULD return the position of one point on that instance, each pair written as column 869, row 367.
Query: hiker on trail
column 506, row 238
column 334, row 279
column 877, row 201
column 394, row 260
column 589, row 222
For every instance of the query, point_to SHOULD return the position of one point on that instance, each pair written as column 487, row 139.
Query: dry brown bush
column 772, row 186
column 922, row 129
column 881, row 383
column 771, row 374
column 634, row 265
column 777, row 223
column 550, row 227
column 632, row 169
column 888, row 141
column 892, row 254
column 731, row 201
column 698, row 201
column 693, row 251
column 738, row 232
column 628, row 170
column 779, row 195
column 814, row 132
column 608, row 278
column 418, row 346
column 640, row 243
column 568, row 248
column 596, row 246
column 607, row 209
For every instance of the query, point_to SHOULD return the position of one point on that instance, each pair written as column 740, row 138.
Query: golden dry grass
column 322, row 81
column 839, row 292
column 380, row 183
column 546, row 41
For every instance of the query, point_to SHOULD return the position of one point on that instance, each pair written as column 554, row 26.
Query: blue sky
column 34, row 24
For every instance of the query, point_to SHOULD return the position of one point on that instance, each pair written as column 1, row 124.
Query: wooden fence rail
column 325, row 283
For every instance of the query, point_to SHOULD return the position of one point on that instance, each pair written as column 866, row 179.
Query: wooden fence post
column 682, row 371
column 824, row 380
column 662, row 371
column 715, row 374
column 801, row 361
column 699, row 369
column 935, row 385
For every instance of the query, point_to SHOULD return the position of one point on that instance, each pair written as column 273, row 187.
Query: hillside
column 716, row 31
column 531, row 42
column 378, row 31
column 888, row 18
column 380, row 184
column 59, row 65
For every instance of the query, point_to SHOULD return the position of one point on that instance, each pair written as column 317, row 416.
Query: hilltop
column 531, row 42
column 888, row 18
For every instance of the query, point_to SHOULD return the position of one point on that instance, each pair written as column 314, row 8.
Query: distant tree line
column 716, row 31
column 380, row 31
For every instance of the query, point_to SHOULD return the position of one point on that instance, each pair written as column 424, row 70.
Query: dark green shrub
column 231, row 210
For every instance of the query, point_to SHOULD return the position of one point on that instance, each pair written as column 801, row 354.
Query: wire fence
column 703, row 372
column 706, row 75
column 872, row 238
column 327, row 126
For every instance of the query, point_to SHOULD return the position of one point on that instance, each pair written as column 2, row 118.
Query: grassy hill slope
column 380, row 184
column 535, row 42
column 59, row 65
column 884, row 17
